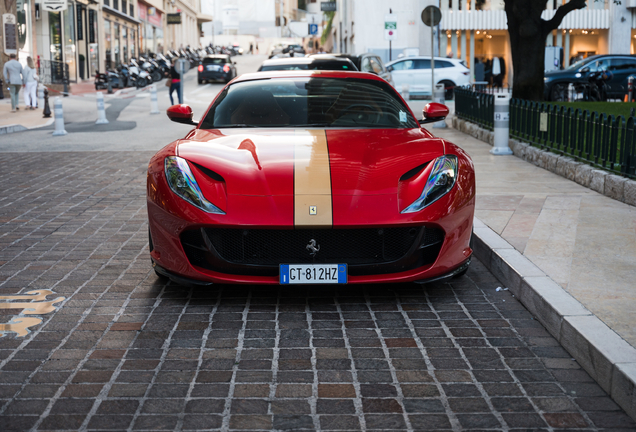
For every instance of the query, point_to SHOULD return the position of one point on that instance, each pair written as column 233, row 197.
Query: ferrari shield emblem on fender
column 313, row 210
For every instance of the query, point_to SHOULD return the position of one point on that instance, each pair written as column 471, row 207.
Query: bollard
column 571, row 93
column 46, row 113
column 101, row 113
column 439, row 96
column 65, row 82
column 154, row 108
column 630, row 89
column 1, row 89
column 502, row 127
column 59, row 118
column 405, row 92
column 109, row 85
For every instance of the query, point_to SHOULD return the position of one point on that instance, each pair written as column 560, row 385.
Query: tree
column 528, row 33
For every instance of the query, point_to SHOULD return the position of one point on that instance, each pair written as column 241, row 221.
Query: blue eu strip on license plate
column 313, row 274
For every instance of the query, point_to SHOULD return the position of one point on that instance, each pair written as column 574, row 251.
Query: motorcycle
column 139, row 77
column 101, row 80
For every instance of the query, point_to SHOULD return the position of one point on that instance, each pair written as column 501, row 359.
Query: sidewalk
column 22, row 119
column 584, row 241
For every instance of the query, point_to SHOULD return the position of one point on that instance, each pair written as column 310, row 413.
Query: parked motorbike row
column 151, row 68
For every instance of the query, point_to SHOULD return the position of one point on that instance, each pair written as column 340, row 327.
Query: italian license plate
column 313, row 274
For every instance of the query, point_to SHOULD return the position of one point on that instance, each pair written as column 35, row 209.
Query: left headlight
column 182, row 182
column 439, row 183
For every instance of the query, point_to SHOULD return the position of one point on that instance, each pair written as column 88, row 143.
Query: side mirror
column 434, row 112
column 181, row 114
column 586, row 69
column 389, row 68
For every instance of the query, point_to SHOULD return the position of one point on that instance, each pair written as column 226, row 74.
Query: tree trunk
column 528, row 33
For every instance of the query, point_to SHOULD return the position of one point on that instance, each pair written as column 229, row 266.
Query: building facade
column 90, row 36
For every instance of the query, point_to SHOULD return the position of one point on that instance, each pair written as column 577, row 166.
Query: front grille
column 260, row 251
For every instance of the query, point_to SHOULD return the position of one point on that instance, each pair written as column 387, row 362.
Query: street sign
column 182, row 65
column 390, row 27
column 328, row 6
column 54, row 5
column 173, row 18
column 431, row 13
column 313, row 29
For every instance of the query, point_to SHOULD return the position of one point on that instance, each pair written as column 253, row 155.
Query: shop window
column 116, row 35
column 107, row 44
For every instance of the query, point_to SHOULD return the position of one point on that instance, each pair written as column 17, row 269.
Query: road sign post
column 431, row 16
column 390, row 30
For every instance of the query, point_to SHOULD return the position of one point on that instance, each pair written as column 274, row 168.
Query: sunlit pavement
column 125, row 350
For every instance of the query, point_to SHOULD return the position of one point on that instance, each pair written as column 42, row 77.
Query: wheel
column 156, row 75
column 141, row 82
column 449, row 86
column 558, row 93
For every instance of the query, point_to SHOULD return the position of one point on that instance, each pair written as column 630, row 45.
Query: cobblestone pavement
column 126, row 350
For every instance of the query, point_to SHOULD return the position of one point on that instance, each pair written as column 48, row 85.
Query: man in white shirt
column 14, row 77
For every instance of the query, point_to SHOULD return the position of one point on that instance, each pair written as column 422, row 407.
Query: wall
column 255, row 16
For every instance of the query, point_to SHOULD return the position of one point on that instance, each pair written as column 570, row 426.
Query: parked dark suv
column 620, row 66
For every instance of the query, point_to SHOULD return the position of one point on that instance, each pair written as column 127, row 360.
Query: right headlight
column 439, row 183
column 182, row 182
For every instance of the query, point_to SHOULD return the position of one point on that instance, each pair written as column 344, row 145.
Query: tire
column 141, row 82
column 156, row 75
column 448, row 89
column 558, row 93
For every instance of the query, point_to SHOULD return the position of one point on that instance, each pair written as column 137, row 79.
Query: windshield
column 309, row 102
column 215, row 60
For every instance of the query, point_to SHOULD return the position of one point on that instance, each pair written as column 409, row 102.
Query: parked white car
column 416, row 72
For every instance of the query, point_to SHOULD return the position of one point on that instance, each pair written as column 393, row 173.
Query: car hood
column 309, row 177
column 560, row 74
column 264, row 162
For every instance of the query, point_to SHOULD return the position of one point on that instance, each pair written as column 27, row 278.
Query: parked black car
column 619, row 68
column 367, row 62
column 324, row 62
column 216, row 67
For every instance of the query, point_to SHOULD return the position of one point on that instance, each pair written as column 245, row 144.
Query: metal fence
column 602, row 140
column 52, row 72
column 475, row 107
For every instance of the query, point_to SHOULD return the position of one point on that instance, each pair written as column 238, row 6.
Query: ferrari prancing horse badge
column 313, row 210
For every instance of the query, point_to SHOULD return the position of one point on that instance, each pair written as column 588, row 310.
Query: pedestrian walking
column 30, row 85
column 175, row 84
column 13, row 75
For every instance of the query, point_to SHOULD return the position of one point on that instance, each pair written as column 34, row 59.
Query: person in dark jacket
column 175, row 84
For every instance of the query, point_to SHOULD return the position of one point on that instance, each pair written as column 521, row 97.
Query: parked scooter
column 101, row 80
column 139, row 77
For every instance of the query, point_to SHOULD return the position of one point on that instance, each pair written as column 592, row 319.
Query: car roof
column 254, row 76
column 304, row 60
column 452, row 60
column 211, row 56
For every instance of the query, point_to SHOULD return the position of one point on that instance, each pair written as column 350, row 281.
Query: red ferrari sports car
column 311, row 177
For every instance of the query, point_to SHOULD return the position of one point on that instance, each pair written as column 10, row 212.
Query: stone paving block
column 597, row 183
column 615, row 187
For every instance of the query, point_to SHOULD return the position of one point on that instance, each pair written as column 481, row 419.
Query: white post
column 101, row 113
column 59, row 118
column 502, row 126
column 439, row 97
column 154, row 108
column 571, row 93
column 405, row 92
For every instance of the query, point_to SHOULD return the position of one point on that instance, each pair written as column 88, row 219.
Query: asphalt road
column 106, row 345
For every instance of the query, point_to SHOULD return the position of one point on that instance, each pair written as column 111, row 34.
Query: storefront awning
column 201, row 18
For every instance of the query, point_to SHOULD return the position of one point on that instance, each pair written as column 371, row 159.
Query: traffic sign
column 182, row 65
column 328, row 6
column 54, row 5
column 431, row 13
column 390, row 27
column 313, row 29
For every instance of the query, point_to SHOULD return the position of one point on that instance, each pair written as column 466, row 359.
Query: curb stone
column 608, row 358
column 613, row 186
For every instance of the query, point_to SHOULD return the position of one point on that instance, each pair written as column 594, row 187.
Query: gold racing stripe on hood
column 312, row 180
